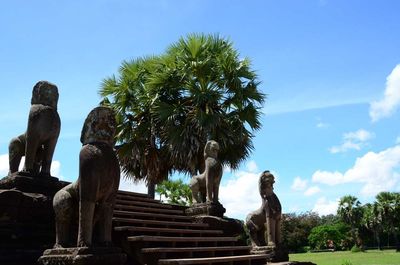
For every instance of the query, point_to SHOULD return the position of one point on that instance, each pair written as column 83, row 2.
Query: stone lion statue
column 91, row 198
column 205, row 186
column 40, row 139
column 264, row 224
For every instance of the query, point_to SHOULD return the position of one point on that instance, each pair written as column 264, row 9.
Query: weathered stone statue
column 90, row 199
column 41, row 135
column 264, row 224
column 93, row 194
column 205, row 186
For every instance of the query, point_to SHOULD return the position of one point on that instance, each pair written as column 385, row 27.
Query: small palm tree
column 350, row 211
column 372, row 220
column 389, row 205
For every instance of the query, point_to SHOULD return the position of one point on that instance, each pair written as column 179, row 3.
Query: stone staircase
column 151, row 232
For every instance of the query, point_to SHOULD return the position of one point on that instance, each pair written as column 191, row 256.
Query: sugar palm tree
column 205, row 91
column 372, row 219
column 389, row 205
column 140, row 154
column 351, row 213
column 169, row 106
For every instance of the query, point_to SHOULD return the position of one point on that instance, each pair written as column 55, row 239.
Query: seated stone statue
column 91, row 198
column 264, row 224
column 42, row 133
column 205, row 186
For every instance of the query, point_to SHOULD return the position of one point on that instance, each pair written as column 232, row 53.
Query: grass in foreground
column 371, row 257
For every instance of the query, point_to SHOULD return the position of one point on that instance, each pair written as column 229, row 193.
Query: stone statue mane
column 46, row 94
column 99, row 127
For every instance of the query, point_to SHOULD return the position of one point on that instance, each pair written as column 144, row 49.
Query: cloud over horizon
column 376, row 171
column 391, row 99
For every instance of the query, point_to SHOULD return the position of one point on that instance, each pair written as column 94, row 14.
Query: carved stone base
column 277, row 254
column 83, row 256
column 208, row 208
column 23, row 181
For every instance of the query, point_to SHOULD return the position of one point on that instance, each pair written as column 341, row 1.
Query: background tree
column 389, row 206
column 169, row 106
column 350, row 211
column 175, row 192
column 321, row 236
column 372, row 220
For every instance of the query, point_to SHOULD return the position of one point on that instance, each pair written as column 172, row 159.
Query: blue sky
column 328, row 129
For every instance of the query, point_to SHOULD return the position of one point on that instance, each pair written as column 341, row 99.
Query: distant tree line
column 354, row 226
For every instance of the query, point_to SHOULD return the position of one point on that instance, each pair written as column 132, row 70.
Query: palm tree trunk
column 396, row 239
column 151, row 189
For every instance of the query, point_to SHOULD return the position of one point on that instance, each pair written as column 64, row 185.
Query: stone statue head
column 211, row 149
column 99, row 126
column 45, row 93
column 266, row 183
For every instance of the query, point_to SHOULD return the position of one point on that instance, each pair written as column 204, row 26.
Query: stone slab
column 38, row 184
column 83, row 256
column 212, row 209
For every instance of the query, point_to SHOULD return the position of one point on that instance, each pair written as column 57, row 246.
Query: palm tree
column 372, row 220
column 350, row 211
column 169, row 106
column 205, row 91
column 140, row 155
column 389, row 205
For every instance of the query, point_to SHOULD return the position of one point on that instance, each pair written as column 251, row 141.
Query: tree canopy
column 168, row 106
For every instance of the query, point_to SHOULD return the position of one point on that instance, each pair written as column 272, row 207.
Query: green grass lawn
column 371, row 257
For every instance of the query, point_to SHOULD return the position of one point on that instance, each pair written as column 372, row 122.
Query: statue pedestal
column 208, row 208
column 277, row 254
column 83, row 256
column 26, row 217
column 25, row 182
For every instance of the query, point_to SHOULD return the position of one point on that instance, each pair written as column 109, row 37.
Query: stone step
column 133, row 198
column 147, row 209
column 175, row 231
column 173, row 239
column 243, row 259
column 196, row 249
column 134, row 194
column 145, row 204
column 153, row 223
column 156, row 216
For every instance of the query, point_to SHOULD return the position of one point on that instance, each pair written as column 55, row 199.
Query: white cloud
column 376, row 171
column 299, row 184
column 129, row 185
column 312, row 190
column 321, row 125
column 391, row 99
column 353, row 141
column 240, row 195
column 4, row 166
column 252, row 166
column 325, row 207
